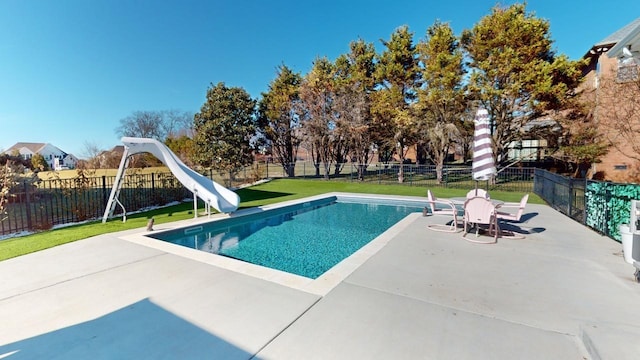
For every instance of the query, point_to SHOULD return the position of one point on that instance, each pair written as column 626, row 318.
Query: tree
column 39, row 163
column 278, row 120
column 398, row 74
column 92, row 154
column 13, row 173
column 184, row 147
column 318, row 122
column 355, row 83
column 441, row 102
column 514, row 73
column 619, row 115
column 177, row 123
column 155, row 124
column 583, row 143
column 144, row 124
column 224, row 128
column 7, row 182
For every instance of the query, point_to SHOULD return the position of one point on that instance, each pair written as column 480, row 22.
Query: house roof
column 620, row 33
column 608, row 42
column 630, row 40
column 33, row 147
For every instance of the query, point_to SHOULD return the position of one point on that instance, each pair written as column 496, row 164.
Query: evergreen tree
column 224, row 128
column 515, row 74
column 398, row 75
column 278, row 120
column 441, row 103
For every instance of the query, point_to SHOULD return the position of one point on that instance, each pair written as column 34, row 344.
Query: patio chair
column 512, row 215
column 481, row 211
column 513, row 212
column 447, row 208
column 478, row 192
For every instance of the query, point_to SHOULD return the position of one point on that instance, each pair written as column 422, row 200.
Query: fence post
column 267, row 171
column 445, row 172
column 153, row 184
column 104, row 192
column 571, row 197
column 584, row 199
column 28, row 203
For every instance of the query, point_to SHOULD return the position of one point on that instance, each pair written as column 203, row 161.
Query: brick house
column 612, row 85
column 56, row 158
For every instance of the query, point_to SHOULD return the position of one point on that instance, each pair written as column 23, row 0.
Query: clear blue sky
column 71, row 69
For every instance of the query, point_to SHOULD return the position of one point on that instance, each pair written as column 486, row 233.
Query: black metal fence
column 41, row 205
column 603, row 206
column 518, row 179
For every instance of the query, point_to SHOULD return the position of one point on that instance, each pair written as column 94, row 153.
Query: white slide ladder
column 211, row 193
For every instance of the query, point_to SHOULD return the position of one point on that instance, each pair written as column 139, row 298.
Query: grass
column 264, row 194
column 70, row 174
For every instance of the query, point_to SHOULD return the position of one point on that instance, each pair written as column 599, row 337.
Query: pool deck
column 563, row 292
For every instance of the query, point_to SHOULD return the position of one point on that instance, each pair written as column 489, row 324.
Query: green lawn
column 268, row 193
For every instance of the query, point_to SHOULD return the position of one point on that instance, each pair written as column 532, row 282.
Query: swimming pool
column 305, row 239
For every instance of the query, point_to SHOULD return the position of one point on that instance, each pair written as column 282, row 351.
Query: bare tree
column 145, row 124
column 91, row 153
column 619, row 114
column 156, row 124
column 178, row 123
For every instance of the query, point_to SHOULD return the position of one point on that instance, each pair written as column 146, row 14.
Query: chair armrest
column 508, row 205
column 448, row 203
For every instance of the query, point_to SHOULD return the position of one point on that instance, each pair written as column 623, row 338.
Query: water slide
column 212, row 193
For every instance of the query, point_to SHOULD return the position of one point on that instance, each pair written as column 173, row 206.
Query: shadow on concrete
column 519, row 228
column 142, row 330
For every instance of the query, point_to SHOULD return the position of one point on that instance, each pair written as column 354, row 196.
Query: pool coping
column 319, row 286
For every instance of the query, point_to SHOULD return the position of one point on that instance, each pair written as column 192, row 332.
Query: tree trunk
column 439, row 168
column 401, row 173
column 327, row 168
column 361, row 171
column 291, row 170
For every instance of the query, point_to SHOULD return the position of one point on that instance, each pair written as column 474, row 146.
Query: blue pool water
column 305, row 239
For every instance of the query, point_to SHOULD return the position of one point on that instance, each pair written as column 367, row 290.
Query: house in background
column 612, row 63
column 56, row 158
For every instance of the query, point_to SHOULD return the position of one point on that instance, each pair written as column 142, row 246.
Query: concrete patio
column 563, row 292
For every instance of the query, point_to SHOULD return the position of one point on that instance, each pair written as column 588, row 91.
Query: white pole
column 195, row 205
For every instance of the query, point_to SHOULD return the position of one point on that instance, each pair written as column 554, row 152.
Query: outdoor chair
column 447, row 208
column 512, row 211
column 478, row 192
column 512, row 215
column 481, row 211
